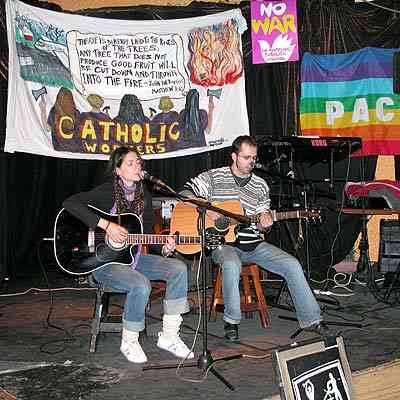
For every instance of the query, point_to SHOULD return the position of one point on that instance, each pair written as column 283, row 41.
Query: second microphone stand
column 205, row 361
column 307, row 267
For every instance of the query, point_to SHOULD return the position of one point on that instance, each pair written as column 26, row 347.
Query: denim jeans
column 272, row 259
column 136, row 284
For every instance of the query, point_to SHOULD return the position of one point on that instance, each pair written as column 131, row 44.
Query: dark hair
column 131, row 110
column 115, row 161
column 237, row 143
column 65, row 106
column 117, row 156
column 190, row 118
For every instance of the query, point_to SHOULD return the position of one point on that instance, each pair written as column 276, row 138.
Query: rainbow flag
column 352, row 95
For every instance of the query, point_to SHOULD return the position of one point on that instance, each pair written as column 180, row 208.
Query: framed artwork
column 314, row 370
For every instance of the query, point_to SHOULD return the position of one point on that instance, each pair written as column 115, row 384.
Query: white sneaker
column 174, row 346
column 133, row 351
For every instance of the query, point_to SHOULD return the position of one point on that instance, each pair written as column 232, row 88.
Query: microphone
column 262, row 167
column 152, row 179
column 290, row 174
column 155, row 181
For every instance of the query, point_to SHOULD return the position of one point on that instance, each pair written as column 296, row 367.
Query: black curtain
column 33, row 187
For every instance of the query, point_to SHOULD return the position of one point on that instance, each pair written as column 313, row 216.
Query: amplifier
column 389, row 246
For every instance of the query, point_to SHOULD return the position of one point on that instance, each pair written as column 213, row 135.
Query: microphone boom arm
column 156, row 181
column 199, row 203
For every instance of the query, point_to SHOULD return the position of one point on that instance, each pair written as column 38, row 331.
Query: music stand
column 205, row 360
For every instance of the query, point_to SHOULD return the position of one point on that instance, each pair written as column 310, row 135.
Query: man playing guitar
column 237, row 182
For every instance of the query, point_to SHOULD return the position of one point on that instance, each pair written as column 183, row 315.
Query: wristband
column 107, row 226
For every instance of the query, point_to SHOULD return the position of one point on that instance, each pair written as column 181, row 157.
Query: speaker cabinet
column 389, row 246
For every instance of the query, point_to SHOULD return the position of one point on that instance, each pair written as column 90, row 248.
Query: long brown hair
column 65, row 106
column 123, row 204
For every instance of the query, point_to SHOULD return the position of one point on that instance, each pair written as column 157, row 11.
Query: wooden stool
column 102, row 321
column 252, row 298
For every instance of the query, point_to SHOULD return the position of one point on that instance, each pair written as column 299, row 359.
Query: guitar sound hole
column 115, row 245
column 222, row 224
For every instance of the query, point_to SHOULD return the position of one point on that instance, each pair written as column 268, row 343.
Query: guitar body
column 184, row 220
column 79, row 250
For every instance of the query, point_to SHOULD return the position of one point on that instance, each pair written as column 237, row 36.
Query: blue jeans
column 272, row 259
column 136, row 284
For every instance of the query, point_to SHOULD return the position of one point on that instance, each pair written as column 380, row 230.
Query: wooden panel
column 381, row 382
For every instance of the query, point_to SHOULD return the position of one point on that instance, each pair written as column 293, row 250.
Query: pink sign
column 274, row 31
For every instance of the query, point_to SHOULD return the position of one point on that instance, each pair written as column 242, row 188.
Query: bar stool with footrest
column 252, row 297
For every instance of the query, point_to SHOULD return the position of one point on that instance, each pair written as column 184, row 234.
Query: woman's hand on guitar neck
column 114, row 231
column 169, row 247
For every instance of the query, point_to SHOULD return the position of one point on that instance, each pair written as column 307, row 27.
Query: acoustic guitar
column 184, row 220
column 80, row 250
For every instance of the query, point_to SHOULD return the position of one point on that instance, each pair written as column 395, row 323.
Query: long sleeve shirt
column 103, row 198
column 219, row 184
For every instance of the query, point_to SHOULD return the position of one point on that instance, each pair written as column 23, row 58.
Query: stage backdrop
column 80, row 86
column 352, row 95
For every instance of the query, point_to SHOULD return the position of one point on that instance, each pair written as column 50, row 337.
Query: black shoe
column 231, row 332
column 320, row 329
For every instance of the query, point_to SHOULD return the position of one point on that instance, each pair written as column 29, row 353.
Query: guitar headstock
column 313, row 215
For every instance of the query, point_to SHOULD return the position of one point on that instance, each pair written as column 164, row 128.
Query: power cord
column 329, row 293
column 34, row 289
column 69, row 335
column 339, row 227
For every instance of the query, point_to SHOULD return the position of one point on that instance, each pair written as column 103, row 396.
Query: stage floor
column 45, row 354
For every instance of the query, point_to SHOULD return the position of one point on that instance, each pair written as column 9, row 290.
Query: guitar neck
column 281, row 215
column 287, row 214
column 161, row 239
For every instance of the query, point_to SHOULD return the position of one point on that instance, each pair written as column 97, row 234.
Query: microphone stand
column 205, row 360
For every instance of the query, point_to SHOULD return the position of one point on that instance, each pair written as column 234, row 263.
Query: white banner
column 81, row 86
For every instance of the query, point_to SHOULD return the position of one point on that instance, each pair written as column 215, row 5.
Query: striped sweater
column 221, row 185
